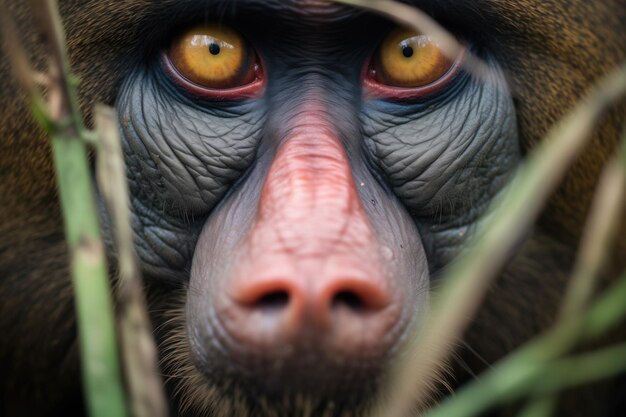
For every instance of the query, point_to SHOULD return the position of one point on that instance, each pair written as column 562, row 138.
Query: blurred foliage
column 536, row 371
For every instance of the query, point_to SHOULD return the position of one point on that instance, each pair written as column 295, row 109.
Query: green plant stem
column 412, row 17
column 139, row 353
column 582, row 369
column 96, row 329
column 521, row 372
column 539, row 407
column 467, row 279
column 601, row 228
column 571, row 372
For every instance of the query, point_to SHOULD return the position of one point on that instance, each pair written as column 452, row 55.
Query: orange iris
column 213, row 56
column 410, row 59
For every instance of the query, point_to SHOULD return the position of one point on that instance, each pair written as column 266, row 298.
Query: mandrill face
column 300, row 169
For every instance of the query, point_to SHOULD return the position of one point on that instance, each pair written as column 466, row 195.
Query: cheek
column 181, row 159
column 185, row 155
column 448, row 160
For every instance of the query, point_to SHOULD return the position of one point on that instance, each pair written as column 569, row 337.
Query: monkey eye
column 214, row 61
column 409, row 64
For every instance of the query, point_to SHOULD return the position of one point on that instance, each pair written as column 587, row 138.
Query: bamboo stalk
column 61, row 118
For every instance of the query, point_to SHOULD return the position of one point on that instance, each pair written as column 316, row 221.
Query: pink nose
column 278, row 319
column 310, row 287
column 294, row 305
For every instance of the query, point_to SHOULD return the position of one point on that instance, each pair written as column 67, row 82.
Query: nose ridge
column 310, row 288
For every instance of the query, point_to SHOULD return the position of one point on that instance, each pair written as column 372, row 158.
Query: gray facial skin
column 446, row 158
column 426, row 169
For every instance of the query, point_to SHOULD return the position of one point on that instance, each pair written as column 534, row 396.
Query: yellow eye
column 213, row 56
column 409, row 59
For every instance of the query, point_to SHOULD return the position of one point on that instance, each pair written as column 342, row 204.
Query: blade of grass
column 540, row 407
column 598, row 234
column 581, row 369
column 467, row 279
column 523, row 371
column 571, row 372
column 421, row 22
column 411, row 17
column 603, row 223
column 20, row 67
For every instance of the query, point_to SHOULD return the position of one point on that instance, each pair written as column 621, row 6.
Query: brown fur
column 553, row 51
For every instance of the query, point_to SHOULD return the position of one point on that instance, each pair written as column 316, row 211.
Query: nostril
column 357, row 295
column 271, row 295
column 272, row 301
column 348, row 299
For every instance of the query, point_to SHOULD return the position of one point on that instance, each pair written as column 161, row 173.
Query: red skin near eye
column 249, row 90
column 373, row 89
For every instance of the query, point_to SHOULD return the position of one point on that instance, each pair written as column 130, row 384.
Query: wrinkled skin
column 311, row 180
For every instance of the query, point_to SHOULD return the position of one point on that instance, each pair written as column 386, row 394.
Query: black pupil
column 407, row 51
column 214, row 49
